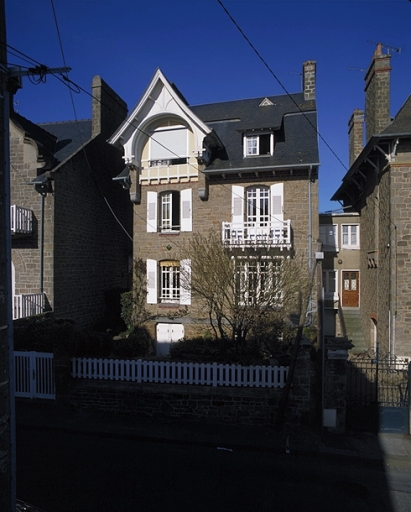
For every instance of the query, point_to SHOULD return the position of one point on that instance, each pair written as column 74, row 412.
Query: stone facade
column 207, row 158
column 86, row 252
column 377, row 187
column 209, row 215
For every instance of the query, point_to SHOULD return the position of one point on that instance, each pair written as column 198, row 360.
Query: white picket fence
column 205, row 374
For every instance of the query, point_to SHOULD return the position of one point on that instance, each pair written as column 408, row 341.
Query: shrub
column 46, row 333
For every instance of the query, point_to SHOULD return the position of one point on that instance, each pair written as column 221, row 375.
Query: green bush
column 261, row 349
column 46, row 333
column 137, row 344
column 196, row 349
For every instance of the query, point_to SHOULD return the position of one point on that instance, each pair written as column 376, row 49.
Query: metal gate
column 378, row 393
column 34, row 376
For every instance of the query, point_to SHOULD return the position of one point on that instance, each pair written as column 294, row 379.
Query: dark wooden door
column 350, row 288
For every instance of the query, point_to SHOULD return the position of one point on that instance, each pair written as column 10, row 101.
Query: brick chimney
column 377, row 94
column 108, row 109
column 309, row 72
column 355, row 134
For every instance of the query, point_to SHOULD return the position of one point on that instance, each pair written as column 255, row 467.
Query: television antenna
column 388, row 48
column 298, row 73
column 358, row 69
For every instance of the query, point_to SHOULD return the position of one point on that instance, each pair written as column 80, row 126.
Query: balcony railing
column 21, row 220
column 29, row 304
column 250, row 234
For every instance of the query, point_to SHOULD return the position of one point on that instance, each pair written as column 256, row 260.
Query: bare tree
column 244, row 289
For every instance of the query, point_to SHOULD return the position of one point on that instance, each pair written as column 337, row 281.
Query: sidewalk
column 388, row 448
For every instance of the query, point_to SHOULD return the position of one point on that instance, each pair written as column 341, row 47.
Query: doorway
column 350, row 288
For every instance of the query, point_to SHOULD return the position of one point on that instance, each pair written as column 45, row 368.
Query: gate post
column 334, row 383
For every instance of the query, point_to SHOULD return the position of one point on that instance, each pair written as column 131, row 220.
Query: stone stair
column 354, row 330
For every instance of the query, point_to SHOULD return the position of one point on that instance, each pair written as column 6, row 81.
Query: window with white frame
column 258, row 201
column 328, row 237
column 170, row 210
column 258, row 144
column 350, row 236
column 264, row 205
column 330, row 284
column 169, row 281
column 258, row 281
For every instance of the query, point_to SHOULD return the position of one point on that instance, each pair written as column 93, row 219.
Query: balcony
column 248, row 234
column 167, row 171
column 21, row 220
column 29, row 304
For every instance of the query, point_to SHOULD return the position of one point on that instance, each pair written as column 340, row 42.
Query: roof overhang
column 372, row 145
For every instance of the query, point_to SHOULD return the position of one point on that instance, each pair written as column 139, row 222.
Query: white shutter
column 152, row 212
column 277, row 202
column 237, row 204
column 186, row 206
column 151, row 282
column 185, row 282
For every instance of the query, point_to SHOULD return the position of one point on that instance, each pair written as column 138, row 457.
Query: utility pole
column 9, row 82
column 7, row 420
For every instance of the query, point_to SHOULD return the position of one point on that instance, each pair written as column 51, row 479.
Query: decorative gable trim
column 159, row 99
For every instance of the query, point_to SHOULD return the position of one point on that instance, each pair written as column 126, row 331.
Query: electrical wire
column 279, row 82
column 71, row 90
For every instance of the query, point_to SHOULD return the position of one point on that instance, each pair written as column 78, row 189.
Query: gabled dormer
column 162, row 139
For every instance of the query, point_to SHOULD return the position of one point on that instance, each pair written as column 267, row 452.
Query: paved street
column 63, row 471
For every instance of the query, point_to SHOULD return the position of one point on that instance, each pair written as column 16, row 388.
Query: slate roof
column 59, row 141
column 43, row 138
column 400, row 127
column 402, row 121
column 71, row 136
column 293, row 120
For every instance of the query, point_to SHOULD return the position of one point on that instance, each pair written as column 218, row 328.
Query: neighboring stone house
column 71, row 230
column 341, row 242
column 377, row 186
column 247, row 169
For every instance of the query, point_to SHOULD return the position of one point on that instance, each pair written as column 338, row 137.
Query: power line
column 279, row 82
column 74, row 87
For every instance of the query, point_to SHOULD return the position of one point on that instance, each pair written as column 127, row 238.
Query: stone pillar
column 302, row 405
column 334, row 386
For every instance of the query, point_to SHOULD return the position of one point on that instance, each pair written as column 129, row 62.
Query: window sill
column 259, row 156
column 169, row 232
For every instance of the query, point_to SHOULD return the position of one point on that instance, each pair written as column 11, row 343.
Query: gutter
column 307, row 166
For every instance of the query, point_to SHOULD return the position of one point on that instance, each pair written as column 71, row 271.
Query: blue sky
column 198, row 47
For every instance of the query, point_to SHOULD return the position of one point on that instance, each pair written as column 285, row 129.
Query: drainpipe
column 310, row 226
column 42, row 245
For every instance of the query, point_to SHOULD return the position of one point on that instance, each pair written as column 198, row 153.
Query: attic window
column 266, row 103
column 259, row 145
column 169, row 144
